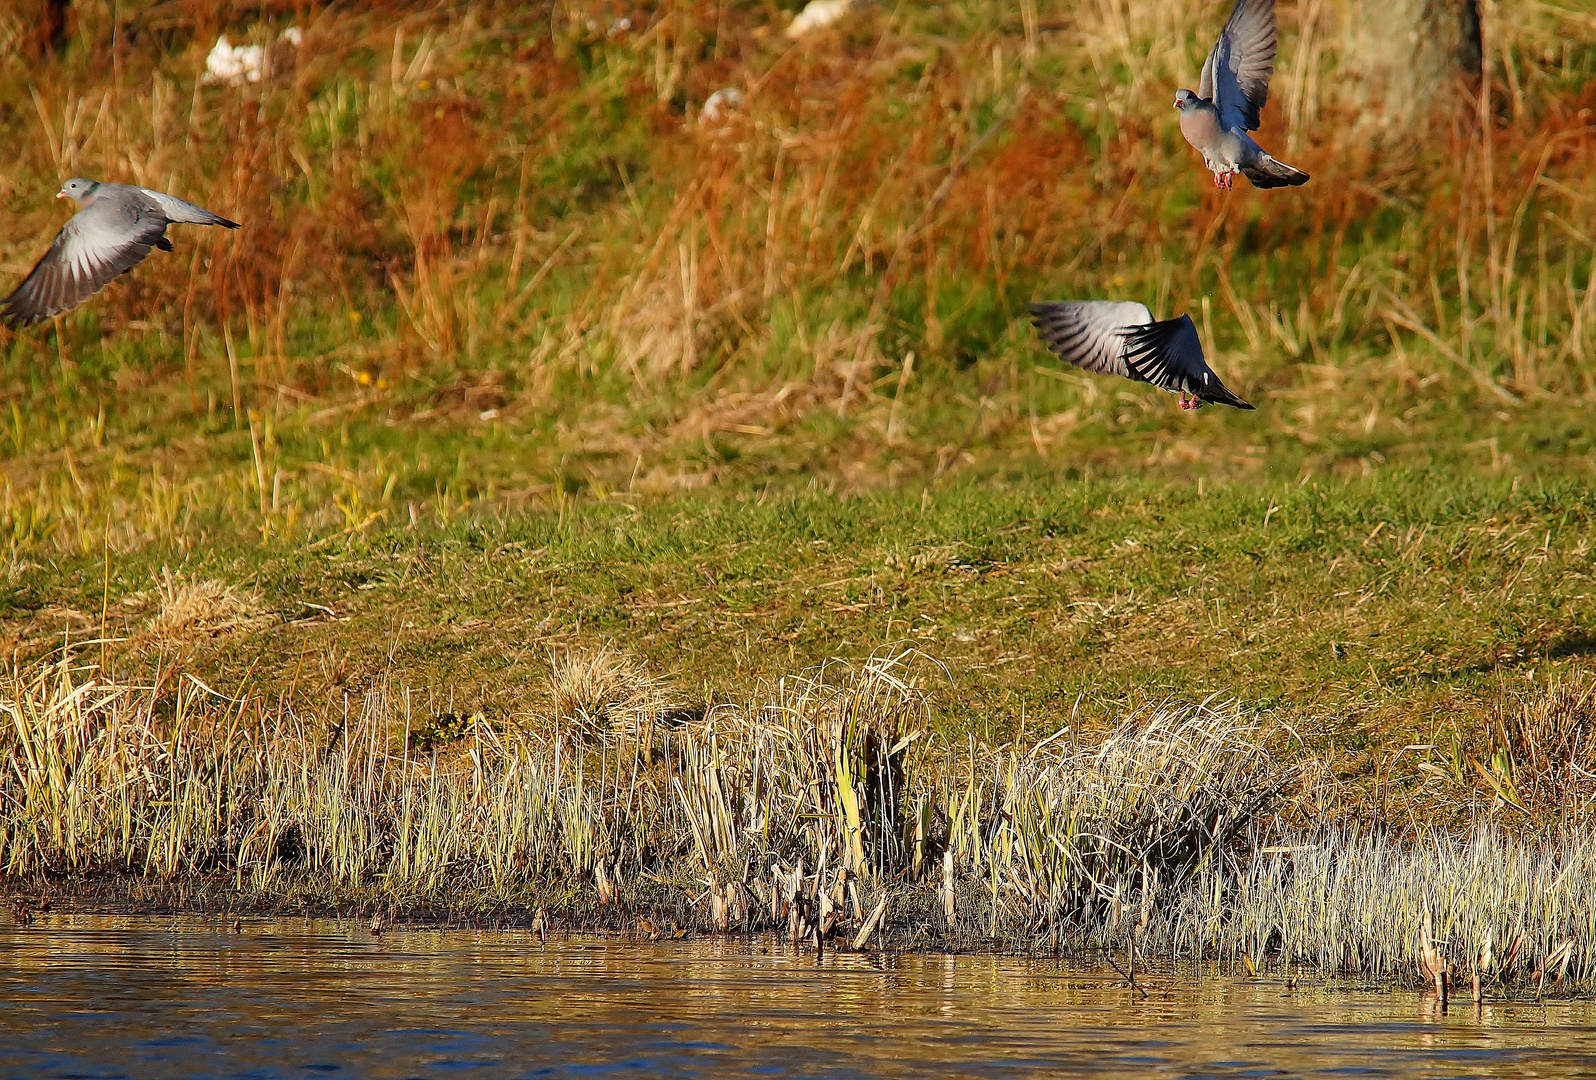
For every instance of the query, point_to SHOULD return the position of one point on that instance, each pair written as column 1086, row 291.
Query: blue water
column 109, row 997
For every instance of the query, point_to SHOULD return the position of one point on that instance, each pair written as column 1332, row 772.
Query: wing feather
column 1169, row 355
column 1236, row 74
column 1090, row 334
column 93, row 249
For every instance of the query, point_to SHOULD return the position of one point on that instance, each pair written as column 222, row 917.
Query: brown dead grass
column 190, row 610
column 605, row 692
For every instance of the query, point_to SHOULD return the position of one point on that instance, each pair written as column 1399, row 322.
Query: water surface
column 109, row 997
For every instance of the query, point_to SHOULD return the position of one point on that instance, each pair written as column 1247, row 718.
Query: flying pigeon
column 115, row 227
column 1230, row 95
column 1119, row 337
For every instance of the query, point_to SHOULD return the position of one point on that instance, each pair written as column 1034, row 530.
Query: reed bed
column 823, row 808
column 833, row 771
column 1506, row 907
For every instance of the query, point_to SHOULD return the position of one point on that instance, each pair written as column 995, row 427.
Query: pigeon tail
column 186, row 213
column 1217, row 394
column 1265, row 172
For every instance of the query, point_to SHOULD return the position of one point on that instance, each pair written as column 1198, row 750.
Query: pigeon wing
column 1169, row 355
column 99, row 244
column 1091, row 334
column 1236, row 74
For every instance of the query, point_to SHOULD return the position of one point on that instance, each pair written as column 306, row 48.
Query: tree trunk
column 1409, row 58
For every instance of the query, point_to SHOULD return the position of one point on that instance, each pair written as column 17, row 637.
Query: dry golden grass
column 604, row 692
column 187, row 610
column 1541, row 752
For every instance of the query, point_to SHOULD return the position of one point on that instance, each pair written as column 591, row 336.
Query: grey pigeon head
column 1185, row 99
column 77, row 189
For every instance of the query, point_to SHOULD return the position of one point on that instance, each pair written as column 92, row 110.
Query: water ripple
column 102, row 997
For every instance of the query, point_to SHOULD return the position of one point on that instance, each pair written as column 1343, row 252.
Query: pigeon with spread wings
column 115, row 227
column 1120, row 337
column 1230, row 96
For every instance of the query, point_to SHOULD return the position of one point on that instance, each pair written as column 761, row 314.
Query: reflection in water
column 102, row 997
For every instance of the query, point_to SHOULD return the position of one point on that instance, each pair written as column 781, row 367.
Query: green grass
column 1378, row 612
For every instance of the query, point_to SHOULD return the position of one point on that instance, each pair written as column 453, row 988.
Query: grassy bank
column 1372, row 613
column 623, row 711
column 511, row 318
column 496, row 255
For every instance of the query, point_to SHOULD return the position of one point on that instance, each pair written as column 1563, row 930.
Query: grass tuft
column 603, row 692
column 200, row 608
